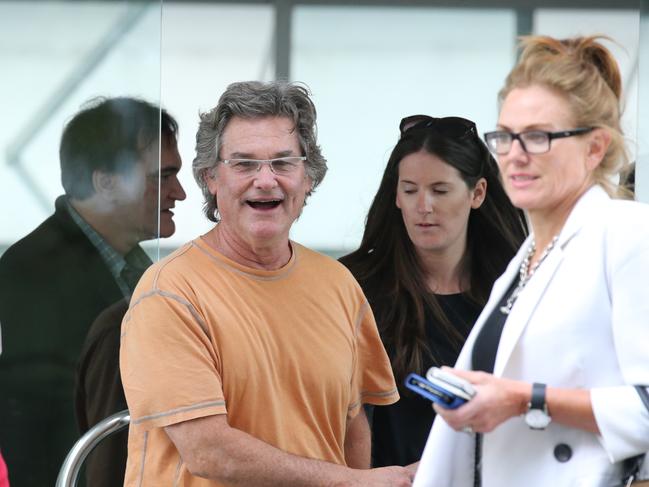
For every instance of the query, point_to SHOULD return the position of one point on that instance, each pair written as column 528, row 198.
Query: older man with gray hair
column 245, row 356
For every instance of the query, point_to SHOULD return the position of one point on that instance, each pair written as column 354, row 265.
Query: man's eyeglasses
column 455, row 127
column 281, row 166
column 532, row 141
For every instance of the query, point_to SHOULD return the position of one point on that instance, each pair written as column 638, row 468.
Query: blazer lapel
column 528, row 300
column 525, row 306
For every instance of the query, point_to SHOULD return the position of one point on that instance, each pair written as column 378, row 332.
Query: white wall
column 367, row 67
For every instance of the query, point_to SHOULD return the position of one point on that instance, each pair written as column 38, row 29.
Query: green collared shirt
column 134, row 263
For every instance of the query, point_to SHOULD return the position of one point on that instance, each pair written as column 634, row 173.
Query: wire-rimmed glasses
column 280, row 166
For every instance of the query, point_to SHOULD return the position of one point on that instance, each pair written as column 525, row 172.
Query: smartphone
column 440, row 391
column 451, row 379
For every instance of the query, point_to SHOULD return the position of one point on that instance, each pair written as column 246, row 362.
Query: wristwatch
column 537, row 417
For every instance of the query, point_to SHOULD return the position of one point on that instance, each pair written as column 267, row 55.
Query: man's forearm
column 212, row 449
column 358, row 444
column 254, row 462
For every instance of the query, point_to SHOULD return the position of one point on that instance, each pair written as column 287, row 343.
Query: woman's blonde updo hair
column 587, row 75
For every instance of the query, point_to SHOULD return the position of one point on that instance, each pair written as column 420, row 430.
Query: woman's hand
column 496, row 401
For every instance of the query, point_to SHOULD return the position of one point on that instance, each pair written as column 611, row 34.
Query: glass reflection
column 109, row 193
column 642, row 162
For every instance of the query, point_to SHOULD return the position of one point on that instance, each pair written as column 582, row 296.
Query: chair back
column 69, row 473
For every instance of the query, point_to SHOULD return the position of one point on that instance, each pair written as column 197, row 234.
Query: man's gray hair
column 254, row 99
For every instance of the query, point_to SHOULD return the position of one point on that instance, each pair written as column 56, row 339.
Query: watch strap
column 538, row 396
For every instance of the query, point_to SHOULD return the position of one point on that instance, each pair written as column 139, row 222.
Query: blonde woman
column 562, row 340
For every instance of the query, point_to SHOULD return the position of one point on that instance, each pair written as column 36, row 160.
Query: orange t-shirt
column 289, row 355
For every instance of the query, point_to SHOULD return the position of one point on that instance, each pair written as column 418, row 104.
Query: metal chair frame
column 69, row 473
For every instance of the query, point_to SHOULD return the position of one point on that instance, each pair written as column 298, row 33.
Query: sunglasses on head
column 455, row 127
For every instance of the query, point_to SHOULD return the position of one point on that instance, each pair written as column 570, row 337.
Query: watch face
column 537, row 419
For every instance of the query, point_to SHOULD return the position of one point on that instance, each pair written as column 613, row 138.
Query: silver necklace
column 525, row 273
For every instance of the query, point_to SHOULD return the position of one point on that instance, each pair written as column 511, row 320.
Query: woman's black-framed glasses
column 455, row 127
column 532, row 141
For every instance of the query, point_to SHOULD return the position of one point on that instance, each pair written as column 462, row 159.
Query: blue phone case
column 433, row 392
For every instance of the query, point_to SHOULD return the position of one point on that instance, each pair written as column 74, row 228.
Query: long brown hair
column 388, row 268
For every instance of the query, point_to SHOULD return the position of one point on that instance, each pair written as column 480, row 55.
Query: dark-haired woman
column 439, row 232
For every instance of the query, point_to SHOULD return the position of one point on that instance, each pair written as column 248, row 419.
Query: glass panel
column 203, row 50
column 55, row 56
column 368, row 68
column 642, row 161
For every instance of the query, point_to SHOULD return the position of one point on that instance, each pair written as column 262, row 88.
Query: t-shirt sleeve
column 373, row 378
column 169, row 366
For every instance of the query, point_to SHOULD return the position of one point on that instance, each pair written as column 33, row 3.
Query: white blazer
column 582, row 321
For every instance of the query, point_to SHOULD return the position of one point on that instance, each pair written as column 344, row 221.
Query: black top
column 483, row 358
column 486, row 344
column 400, row 430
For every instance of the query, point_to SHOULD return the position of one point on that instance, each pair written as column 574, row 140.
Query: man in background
column 81, row 260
